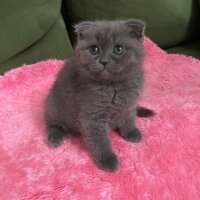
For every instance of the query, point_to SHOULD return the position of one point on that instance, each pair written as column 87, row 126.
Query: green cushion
column 31, row 31
column 190, row 49
column 169, row 22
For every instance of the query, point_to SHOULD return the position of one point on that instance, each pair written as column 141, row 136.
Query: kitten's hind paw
column 55, row 136
column 109, row 163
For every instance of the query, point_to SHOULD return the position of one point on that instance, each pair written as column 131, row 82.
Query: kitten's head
column 110, row 50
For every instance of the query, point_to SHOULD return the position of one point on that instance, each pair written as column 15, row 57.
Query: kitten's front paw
column 134, row 135
column 109, row 163
column 55, row 137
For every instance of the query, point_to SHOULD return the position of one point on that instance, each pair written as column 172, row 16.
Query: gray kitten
column 98, row 89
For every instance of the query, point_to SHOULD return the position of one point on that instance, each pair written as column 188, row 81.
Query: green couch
column 41, row 29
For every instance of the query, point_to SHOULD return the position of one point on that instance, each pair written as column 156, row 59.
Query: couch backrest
column 168, row 22
column 31, row 31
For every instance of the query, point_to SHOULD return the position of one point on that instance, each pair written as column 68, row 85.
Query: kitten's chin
column 105, row 75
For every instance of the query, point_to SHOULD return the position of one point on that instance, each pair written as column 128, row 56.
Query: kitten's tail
column 144, row 112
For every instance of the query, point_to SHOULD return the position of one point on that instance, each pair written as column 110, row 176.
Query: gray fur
column 94, row 94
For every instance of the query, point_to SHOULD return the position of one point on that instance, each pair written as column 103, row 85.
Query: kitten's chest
column 114, row 98
column 107, row 101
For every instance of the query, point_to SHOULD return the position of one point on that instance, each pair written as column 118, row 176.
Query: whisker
column 80, row 76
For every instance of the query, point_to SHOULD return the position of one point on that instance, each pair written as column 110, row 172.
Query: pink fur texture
column 164, row 166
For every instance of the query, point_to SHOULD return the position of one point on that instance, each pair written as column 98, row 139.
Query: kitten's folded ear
column 136, row 28
column 81, row 27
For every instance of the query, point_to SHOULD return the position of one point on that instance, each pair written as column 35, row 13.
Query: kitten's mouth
column 102, row 74
column 106, row 72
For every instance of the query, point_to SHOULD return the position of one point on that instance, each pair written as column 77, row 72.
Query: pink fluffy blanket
column 165, row 165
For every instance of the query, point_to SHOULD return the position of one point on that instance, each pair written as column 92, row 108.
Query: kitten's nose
column 104, row 63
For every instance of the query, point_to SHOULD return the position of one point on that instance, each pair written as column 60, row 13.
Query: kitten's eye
column 94, row 50
column 118, row 49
